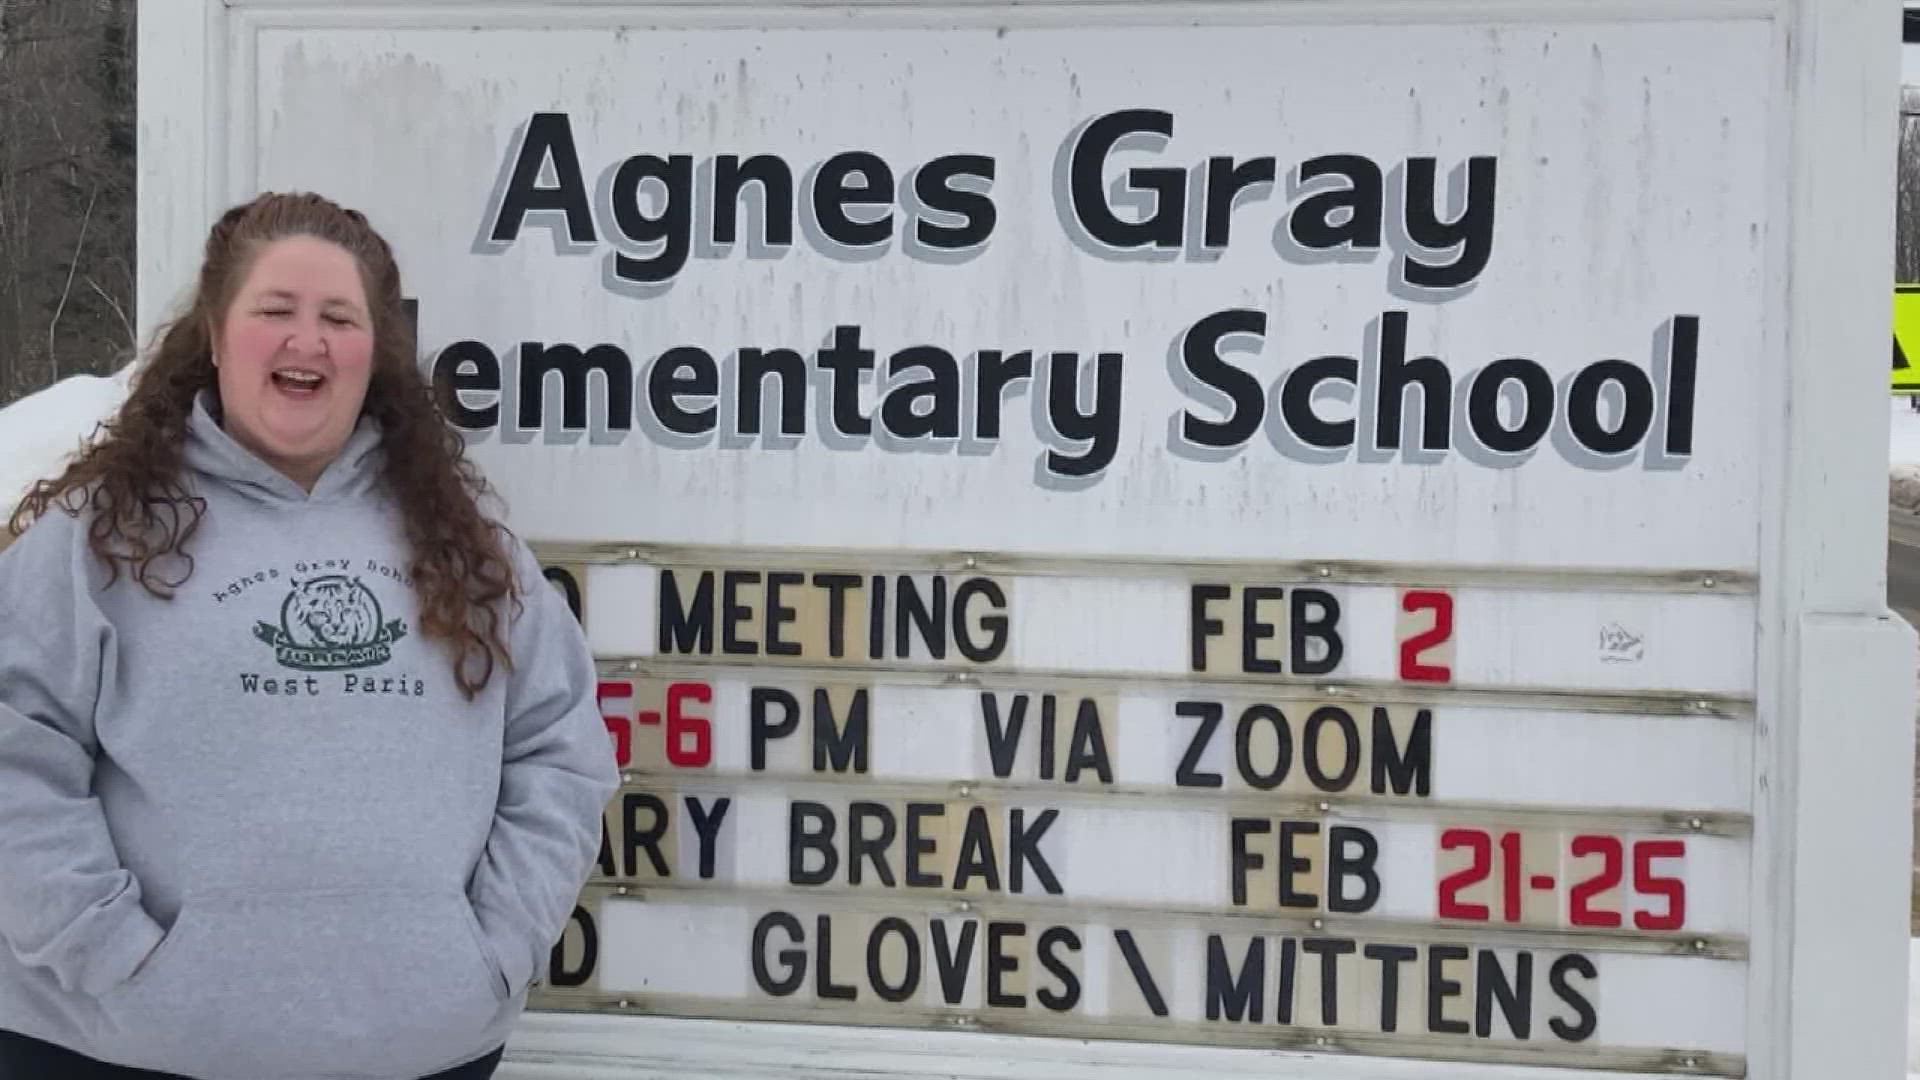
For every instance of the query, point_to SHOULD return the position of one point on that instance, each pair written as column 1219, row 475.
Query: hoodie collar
column 213, row 453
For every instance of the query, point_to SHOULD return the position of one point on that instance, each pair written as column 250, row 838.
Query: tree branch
column 52, row 358
column 47, row 163
column 48, row 38
column 133, row 339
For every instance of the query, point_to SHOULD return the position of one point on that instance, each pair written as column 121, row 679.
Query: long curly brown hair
column 131, row 470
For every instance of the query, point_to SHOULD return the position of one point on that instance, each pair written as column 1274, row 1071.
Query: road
column 1903, row 565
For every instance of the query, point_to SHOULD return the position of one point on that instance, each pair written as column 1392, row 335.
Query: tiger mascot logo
column 331, row 623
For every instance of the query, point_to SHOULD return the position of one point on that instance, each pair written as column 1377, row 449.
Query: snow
column 1903, row 455
column 1913, row 1010
column 1903, row 434
column 40, row 431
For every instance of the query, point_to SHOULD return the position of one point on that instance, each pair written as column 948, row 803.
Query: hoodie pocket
column 365, row 981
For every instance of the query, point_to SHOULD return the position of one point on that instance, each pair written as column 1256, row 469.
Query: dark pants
column 22, row 1058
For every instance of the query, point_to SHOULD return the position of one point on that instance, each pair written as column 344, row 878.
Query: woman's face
column 294, row 353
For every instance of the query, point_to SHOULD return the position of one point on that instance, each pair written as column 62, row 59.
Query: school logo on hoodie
column 331, row 623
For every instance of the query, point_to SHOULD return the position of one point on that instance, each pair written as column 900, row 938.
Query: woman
column 301, row 768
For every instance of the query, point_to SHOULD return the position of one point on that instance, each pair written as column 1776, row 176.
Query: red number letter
column 617, row 726
column 1510, row 876
column 1609, row 849
column 1644, row 883
column 1450, row 886
column 1412, row 668
column 680, row 725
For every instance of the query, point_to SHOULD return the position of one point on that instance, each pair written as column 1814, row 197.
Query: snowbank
column 40, row 431
column 1913, row 1010
column 1903, row 456
column 1903, row 433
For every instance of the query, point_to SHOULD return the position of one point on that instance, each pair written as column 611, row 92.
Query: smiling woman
column 315, row 787
column 294, row 353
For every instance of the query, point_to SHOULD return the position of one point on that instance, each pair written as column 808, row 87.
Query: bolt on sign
column 1338, row 530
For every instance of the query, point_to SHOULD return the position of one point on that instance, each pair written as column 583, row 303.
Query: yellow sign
column 1906, row 339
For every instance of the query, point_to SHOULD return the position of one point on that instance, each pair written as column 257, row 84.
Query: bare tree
column 1907, row 187
column 66, row 190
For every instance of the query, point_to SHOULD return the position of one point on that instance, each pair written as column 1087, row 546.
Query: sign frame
column 1835, row 689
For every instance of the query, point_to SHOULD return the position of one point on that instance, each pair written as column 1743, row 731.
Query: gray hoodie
column 269, row 796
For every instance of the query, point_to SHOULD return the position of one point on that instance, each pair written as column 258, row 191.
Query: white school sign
column 1330, row 538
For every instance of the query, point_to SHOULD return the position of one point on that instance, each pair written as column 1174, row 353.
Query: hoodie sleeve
column 557, row 773
column 67, row 903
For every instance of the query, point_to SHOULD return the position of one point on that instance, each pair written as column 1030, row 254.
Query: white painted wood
column 1184, row 860
column 1480, row 754
column 566, row 1047
column 1806, row 86
column 1510, row 638
column 1191, row 12
column 1834, row 759
column 1154, row 502
column 691, row 952
column 1851, row 846
column 180, row 145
